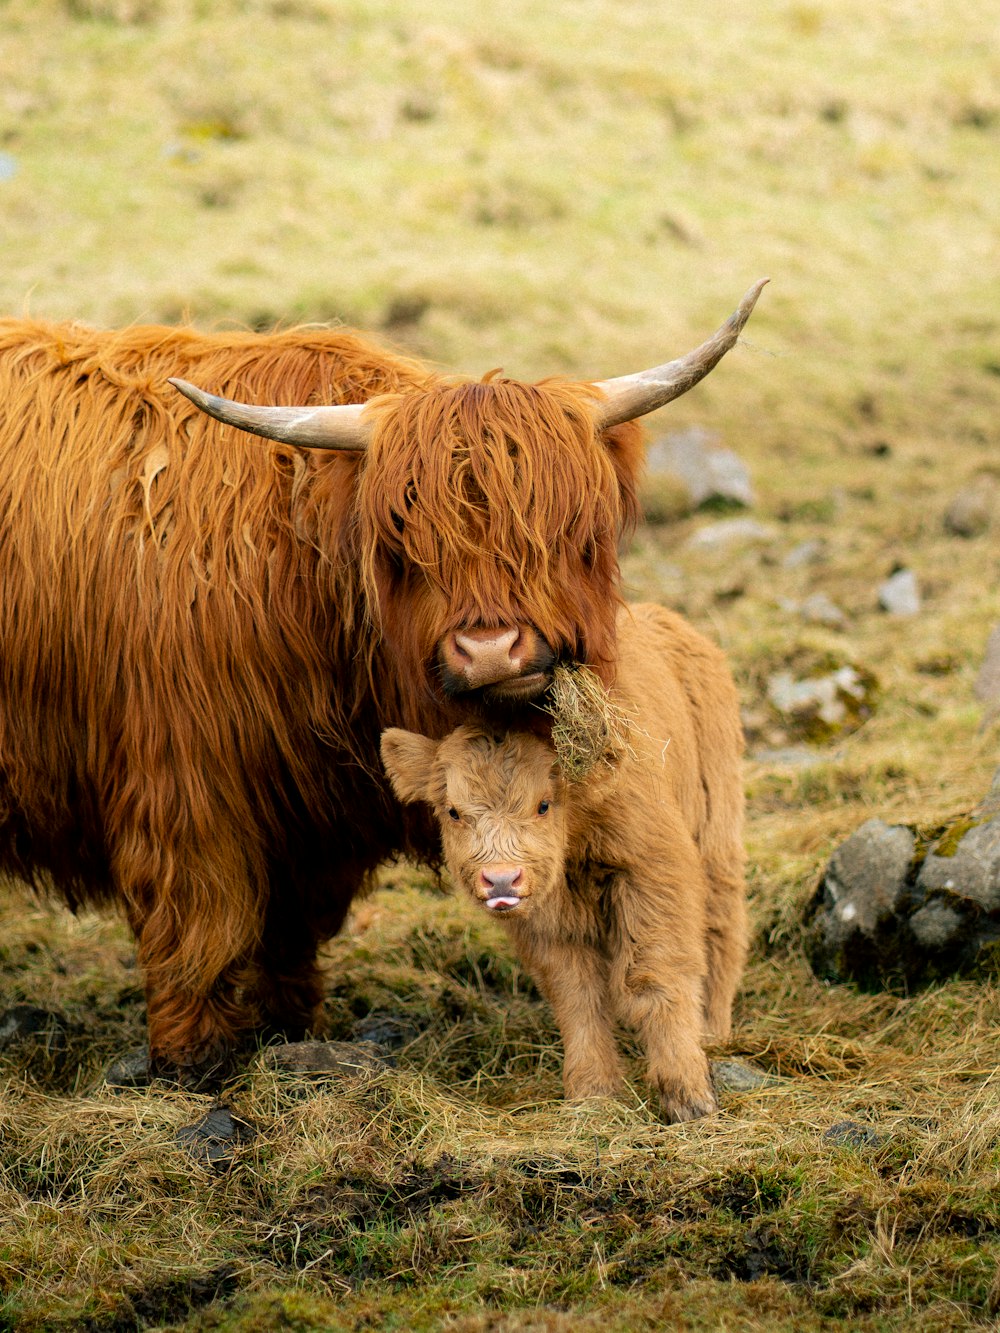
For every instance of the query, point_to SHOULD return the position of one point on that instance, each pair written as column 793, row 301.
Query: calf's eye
column 543, row 807
column 453, row 814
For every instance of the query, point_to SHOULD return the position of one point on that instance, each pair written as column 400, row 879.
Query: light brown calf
column 623, row 893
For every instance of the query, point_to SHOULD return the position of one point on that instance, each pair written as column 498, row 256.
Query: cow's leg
column 574, row 979
column 193, row 1030
column 194, row 1012
column 197, row 919
column 658, row 969
column 287, row 990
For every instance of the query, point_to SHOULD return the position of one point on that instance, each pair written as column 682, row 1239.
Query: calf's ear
column 408, row 759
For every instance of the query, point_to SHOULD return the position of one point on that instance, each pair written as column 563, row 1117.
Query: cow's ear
column 408, row 759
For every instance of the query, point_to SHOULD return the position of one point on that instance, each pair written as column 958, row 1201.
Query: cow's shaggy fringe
column 526, row 506
column 201, row 636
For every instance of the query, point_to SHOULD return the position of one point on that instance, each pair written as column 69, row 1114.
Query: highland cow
column 623, row 892
column 202, row 637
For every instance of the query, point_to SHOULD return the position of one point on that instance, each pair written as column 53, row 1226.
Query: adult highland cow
column 201, row 639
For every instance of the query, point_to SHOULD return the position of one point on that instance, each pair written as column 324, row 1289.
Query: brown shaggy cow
column 623, row 893
column 202, row 637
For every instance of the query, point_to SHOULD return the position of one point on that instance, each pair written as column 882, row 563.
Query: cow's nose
column 484, row 656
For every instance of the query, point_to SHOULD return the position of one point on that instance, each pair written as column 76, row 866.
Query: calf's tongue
column 501, row 904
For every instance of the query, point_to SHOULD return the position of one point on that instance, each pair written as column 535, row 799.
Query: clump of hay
column 588, row 727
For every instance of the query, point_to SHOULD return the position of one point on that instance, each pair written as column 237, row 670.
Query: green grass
column 580, row 188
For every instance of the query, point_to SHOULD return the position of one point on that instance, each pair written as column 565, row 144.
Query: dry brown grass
column 460, row 1179
column 588, row 726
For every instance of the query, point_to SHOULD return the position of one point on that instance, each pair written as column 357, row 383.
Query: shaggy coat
column 203, row 635
column 624, row 892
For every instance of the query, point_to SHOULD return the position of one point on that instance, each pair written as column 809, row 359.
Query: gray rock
column 971, row 510
column 736, row 1076
column 130, row 1070
column 26, row 1023
column 387, row 1030
column 215, row 1137
column 790, row 756
column 971, row 871
column 326, row 1059
column 990, row 804
column 853, row 1134
column 707, row 471
column 892, row 910
column 828, row 699
column 936, row 925
column 732, row 532
column 853, row 922
column 812, row 552
column 987, row 686
column 899, row 595
column 820, row 609
column 866, row 877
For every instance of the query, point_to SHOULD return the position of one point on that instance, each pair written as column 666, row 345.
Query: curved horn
column 631, row 396
column 310, row 427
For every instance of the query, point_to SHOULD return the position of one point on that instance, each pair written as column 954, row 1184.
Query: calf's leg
column 658, row 972
column 573, row 977
column 725, row 941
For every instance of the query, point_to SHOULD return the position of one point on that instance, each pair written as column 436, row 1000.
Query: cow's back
column 678, row 688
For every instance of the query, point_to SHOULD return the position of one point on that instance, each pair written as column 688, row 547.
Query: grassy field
column 580, row 188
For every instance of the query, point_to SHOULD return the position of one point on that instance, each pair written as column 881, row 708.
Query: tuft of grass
column 589, row 727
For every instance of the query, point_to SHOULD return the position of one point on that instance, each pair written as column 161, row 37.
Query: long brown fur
column 201, row 635
column 630, row 882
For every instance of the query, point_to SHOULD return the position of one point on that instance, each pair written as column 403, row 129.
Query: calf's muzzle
column 500, row 887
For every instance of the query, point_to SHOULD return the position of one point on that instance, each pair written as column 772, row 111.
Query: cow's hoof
column 215, row 1137
column 208, row 1073
column 130, row 1070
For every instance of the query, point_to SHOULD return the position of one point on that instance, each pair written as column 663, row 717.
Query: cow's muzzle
column 506, row 663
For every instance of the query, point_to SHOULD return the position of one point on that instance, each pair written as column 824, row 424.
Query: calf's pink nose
column 500, row 880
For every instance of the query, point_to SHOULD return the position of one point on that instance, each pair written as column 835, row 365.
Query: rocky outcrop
column 900, row 906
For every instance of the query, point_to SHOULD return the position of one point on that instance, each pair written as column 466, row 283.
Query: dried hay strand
column 589, row 727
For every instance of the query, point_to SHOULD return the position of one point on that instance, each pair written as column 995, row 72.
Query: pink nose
column 484, row 656
column 501, row 881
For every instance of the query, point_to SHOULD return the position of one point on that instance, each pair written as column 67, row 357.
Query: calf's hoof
column 678, row 1103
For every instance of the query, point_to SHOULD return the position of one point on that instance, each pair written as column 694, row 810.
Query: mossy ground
column 581, row 189
column 457, row 1189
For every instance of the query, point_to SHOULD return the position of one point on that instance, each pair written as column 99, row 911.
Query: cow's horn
column 631, row 396
column 310, row 427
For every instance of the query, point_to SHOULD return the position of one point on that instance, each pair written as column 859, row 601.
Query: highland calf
column 623, row 892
